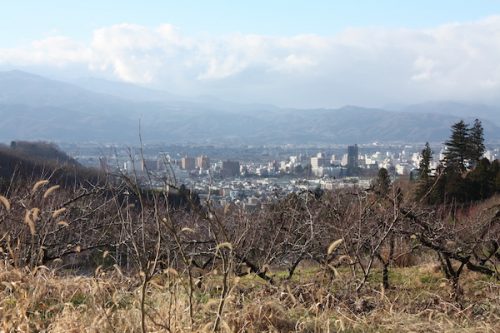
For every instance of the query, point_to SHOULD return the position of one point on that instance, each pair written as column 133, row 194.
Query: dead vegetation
column 114, row 258
column 44, row 300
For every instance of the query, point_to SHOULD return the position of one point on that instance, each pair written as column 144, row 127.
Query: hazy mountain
column 17, row 87
column 125, row 90
column 35, row 108
column 132, row 92
column 458, row 109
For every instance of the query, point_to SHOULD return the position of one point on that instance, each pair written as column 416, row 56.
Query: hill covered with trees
column 25, row 161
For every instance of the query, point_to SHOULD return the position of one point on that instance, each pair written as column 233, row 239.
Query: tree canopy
column 465, row 146
column 424, row 172
column 382, row 183
column 464, row 176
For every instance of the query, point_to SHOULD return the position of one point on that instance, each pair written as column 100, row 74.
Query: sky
column 288, row 53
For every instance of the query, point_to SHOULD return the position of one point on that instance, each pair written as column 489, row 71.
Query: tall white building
column 319, row 161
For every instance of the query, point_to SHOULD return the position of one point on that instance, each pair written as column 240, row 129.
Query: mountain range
column 33, row 107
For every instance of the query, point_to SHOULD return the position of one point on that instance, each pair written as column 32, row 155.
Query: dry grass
column 44, row 300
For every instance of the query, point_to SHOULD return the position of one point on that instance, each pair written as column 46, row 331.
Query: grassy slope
column 419, row 302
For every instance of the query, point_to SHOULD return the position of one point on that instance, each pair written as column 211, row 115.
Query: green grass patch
column 78, row 299
column 429, row 279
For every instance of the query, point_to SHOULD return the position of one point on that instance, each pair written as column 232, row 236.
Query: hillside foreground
column 47, row 300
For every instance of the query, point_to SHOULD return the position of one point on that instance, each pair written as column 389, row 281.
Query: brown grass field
column 45, row 300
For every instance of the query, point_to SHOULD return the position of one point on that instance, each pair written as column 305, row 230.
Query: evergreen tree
column 425, row 181
column 497, row 183
column 464, row 150
column 383, row 182
column 480, row 182
column 495, row 174
column 455, row 187
column 476, row 141
column 438, row 194
column 425, row 162
column 457, row 148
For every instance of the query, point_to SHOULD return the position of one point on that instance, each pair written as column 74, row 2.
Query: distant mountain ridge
column 459, row 109
column 35, row 108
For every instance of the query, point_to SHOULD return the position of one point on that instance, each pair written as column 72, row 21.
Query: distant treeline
column 26, row 161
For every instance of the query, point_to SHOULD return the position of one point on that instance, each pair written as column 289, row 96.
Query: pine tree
column 476, row 141
column 464, row 150
column 425, row 162
column 457, row 148
column 383, row 182
column 497, row 176
column 480, row 182
column 425, row 181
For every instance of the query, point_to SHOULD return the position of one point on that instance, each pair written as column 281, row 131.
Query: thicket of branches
column 119, row 225
column 42, row 224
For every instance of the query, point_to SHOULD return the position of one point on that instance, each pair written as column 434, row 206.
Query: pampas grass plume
column 50, row 191
column 29, row 222
column 5, row 202
column 58, row 212
column 224, row 245
column 39, row 184
column 63, row 223
column 334, row 245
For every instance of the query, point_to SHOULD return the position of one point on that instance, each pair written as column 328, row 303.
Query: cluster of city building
column 253, row 183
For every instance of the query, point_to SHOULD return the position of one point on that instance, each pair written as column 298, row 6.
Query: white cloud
column 55, row 51
column 424, row 69
column 130, row 51
column 359, row 65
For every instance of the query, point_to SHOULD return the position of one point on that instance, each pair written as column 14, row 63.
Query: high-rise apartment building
column 188, row 163
column 319, row 161
column 352, row 159
column 203, row 162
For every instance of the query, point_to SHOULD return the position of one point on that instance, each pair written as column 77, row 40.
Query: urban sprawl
column 253, row 176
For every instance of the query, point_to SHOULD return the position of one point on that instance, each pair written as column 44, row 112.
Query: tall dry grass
column 45, row 300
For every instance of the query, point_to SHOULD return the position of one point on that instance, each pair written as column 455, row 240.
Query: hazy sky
column 293, row 53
